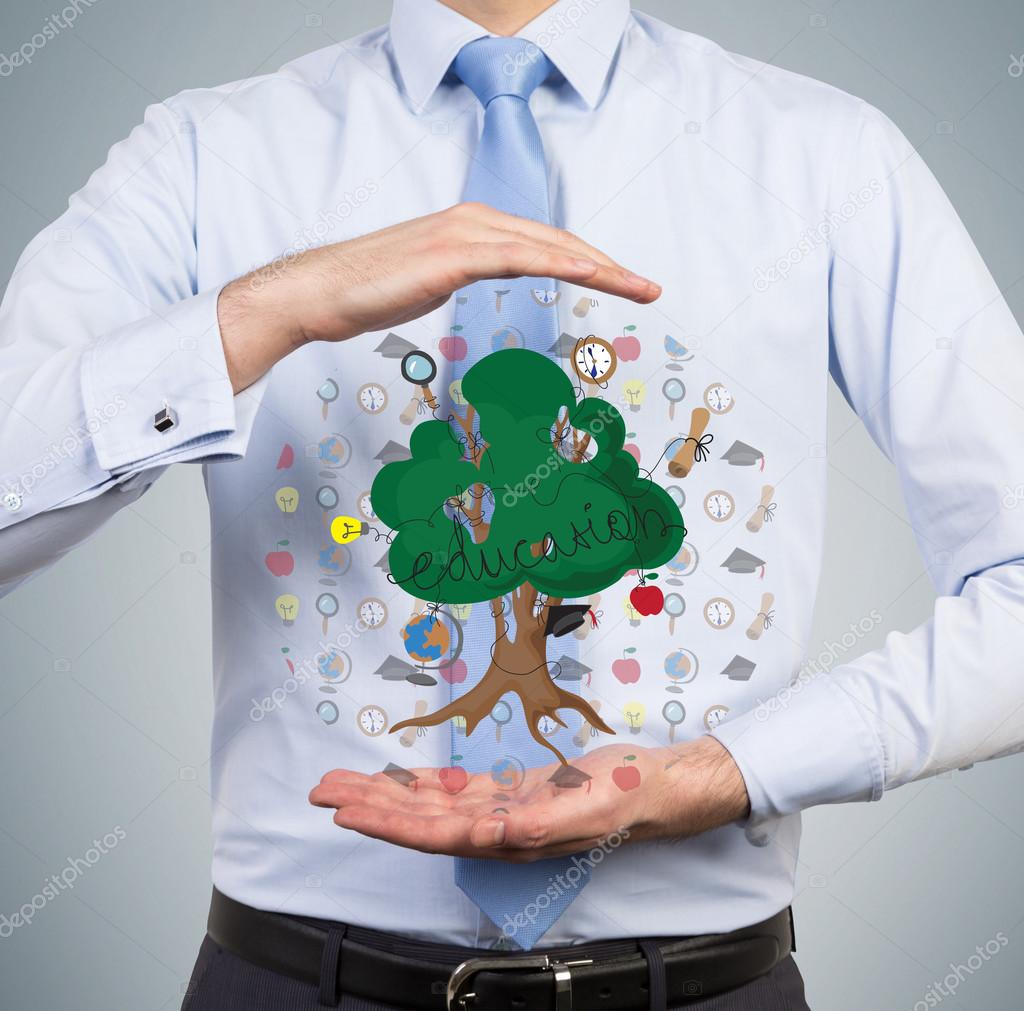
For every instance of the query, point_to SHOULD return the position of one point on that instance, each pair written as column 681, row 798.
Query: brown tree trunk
column 518, row 665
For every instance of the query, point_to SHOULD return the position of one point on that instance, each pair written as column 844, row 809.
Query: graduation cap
column 739, row 454
column 394, row 669
column 421, row 678
column 742, row 562
column 564, row 346
column 403, row 777
column 565, row 618
column 392, row 452
column 570, row 669
column 569, row 777
column 383, row 563
column 394, row 346
column 739, row 668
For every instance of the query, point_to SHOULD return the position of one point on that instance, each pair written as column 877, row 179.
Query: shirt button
column 12, row 501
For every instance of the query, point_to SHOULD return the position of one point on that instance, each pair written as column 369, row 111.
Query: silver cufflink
column 165, row 419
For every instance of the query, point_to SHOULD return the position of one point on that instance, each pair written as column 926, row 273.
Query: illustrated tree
column 531, row 496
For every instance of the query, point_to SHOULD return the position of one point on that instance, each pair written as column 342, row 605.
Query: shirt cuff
column 809, row 744
column 173, row 360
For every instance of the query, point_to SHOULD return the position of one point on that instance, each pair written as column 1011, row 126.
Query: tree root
column 540, row 697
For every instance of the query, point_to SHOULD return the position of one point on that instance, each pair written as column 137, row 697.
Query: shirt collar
column 580, row 38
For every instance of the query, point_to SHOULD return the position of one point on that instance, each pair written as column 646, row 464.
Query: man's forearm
column 259, row 325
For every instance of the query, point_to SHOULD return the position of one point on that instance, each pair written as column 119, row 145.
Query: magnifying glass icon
column 674, row 606
column 501, row 714
column 328, row 712
column 674, row 391
column 674, row 714
column 420, row 369
column 676, row 494
column 327, row 499
column 328, row 393
column 327, row 607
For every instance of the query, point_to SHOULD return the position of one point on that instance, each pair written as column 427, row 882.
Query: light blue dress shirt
column 796, row 233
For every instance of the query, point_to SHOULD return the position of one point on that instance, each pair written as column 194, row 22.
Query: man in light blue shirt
column 792, row 233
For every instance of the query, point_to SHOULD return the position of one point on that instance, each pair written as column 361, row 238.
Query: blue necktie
column 508, row 172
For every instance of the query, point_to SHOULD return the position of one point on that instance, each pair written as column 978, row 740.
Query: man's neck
column 502, row 17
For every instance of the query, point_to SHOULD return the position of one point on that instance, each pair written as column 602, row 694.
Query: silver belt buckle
column 561, row 975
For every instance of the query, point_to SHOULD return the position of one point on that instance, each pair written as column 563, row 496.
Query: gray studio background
column 104, row 693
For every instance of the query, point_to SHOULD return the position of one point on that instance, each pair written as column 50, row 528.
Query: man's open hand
column 648, row 792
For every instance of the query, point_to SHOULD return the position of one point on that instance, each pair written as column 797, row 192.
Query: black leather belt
column 626, row 975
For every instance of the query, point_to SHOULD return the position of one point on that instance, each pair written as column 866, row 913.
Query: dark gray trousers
column 224, row 982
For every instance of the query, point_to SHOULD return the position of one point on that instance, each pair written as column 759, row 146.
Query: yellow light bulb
column 635, row 713
column 346, row 529
column 634, row 392
column 287, row 606
column 632, row 613
column 287, row 499
column 460, row 612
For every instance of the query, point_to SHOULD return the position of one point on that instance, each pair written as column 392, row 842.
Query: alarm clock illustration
column 545, row 296
column 373, row 612
column 365, row 507
column 372, row 720
column 719, row 505
column 719, row 612
column 594, row 360
column 718, row 399
column 715, row 715
column 372, row 398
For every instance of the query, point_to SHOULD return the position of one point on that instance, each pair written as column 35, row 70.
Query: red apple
column 453, row 778
column 647, row 599
column 627, row 348
column 455, row 673
column 626, row 777
column 633, row 450
column 453, row 348
column 627, row 670
column 280, row 563
column 287, row 457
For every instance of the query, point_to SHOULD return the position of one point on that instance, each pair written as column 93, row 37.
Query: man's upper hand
column 396, row 275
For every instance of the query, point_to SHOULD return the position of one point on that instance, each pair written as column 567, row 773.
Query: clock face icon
column 372, row 398
column 719, row 505
column 594, row 360
column 373, row 612
column 545, row 296
column 714, row 716
column 372, row 720
column 719, row 612
column 366, row 507
column 547, row 726
column 718, row 399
